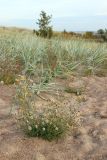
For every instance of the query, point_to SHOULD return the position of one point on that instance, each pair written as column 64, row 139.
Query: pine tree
column 44, row 29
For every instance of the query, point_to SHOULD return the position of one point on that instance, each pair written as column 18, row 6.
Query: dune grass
column 39, row 60
column 53, row 57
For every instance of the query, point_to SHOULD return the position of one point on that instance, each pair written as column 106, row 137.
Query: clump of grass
column 50, row 122
column 76, row 90
column 81, row 98
column 7, row 78
column 55, row 57
column 9, row 68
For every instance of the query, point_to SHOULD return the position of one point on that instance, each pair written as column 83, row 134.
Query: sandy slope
column 90, row 144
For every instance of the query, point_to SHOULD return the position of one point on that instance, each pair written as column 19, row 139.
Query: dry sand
column 90, row 144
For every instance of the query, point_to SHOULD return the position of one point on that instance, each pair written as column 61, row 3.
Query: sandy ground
column 89, row 144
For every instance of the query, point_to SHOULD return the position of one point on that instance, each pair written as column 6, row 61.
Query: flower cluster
column 49, row 122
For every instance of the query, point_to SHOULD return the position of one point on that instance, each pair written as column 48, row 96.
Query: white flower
column 29, row 128
column 36, row 126
column 56, row 128
column 27, row 121
column 47, row 121
column 2, row 82
column 43, row 129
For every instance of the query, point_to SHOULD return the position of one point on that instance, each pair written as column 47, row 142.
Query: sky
column 72, row 15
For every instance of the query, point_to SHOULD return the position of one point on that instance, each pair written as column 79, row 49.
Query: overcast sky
column 69, row 14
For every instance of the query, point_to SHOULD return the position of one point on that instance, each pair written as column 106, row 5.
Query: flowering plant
column 50, row 121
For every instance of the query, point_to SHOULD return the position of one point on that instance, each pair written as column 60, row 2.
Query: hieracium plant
column 49, row 122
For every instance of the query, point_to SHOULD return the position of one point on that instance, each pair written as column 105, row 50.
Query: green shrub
column 50, row 122
column 102, row 34
column 7, row 78
column 47, row 125
column 77, row 91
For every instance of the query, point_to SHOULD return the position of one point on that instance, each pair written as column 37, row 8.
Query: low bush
column 77, row 91
column 49, row 122
column 9, row 68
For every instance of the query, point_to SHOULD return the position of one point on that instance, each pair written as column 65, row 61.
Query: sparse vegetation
column 46, row 59
column 9, row 68
column 40, row 62
column 53, row 80
column 75, row 90
column 56, row 96
column 49, row 122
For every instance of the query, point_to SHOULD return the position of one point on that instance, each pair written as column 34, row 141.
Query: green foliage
column 7, row 78
column 77, row 91
column 50, row 122
column 103, row 34
column 44, row 59
column 44, row 29
column 50, row 127
column 100, row 31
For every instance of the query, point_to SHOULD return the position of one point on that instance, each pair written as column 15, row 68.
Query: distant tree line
column 102, row 34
